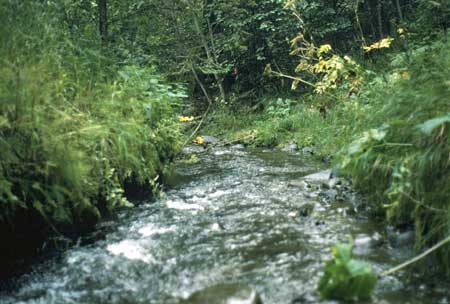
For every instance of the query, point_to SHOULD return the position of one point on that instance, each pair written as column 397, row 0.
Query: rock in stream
column 225, row 294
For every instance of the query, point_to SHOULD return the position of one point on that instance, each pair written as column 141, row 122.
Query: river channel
column 237, row 217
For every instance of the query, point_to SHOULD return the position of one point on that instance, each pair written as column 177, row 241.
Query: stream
column 236, row 221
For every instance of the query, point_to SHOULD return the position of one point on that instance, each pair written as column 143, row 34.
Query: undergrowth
column 404, row 163
column 74, row 126
column 288, row 119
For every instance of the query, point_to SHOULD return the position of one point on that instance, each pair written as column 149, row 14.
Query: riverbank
column 392, row 137
column 77, row 128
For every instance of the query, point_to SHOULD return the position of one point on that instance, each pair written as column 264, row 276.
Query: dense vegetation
column 76, row 127
column 89, row 91
column 373, row 91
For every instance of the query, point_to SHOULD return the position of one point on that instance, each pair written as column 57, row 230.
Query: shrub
column 73, row 126
column 404, row 164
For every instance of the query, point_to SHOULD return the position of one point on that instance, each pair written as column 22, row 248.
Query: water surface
column 236, row 216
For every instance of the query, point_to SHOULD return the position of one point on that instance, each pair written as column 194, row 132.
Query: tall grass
column 74, row 126
column 404, row 163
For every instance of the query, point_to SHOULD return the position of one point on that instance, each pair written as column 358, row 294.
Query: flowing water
column 236, row 216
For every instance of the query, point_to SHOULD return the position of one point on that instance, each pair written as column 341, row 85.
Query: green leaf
column 346, row 278
column 343, row 252
column 355, row 147
column 430, row 125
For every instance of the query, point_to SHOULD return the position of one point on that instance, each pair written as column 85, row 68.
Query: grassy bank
column 75, row 128
column 284, row 120
column 392, row 137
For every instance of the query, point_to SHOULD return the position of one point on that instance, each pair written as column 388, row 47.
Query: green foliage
column 74, row 128
column 433, row 14
column 346, row 278
column 227, row 44
column 281, row 120
column 325, row 21
column 279, row 107
column 403, row 163
column 430, row 125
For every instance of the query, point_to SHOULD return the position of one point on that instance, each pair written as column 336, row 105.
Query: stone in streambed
column 330, row 195
column 299, row 184
column 322, row 176
column 290, row 147
column 401, row 239
column 306, row 209
column 209, row 140
column 225, row 294
column 238, row 147
column 307, row 150
column 365, row 244
column 190, row 149
column 331, row 183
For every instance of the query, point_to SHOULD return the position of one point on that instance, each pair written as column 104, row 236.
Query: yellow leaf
column 404, row 74
column 186, row 118
column 199, row 140
column 320, row 66
column 382, row 44
column 289, row 4
column 334, row 251
column 302, row 66
column 296, row 39
column 324, row 49
column 295, row 84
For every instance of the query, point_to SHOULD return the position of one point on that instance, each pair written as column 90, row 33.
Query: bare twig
column 417, row 258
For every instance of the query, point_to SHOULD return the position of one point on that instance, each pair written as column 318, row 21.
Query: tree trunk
column 358, row 22
column 399, row 10
column 199, row 82
column 103, row 20
column 380, row 18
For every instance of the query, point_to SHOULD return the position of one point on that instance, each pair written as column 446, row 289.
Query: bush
column 404, row 163
column 74, row 128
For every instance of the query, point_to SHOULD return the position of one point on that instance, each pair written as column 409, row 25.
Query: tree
column 103, row 20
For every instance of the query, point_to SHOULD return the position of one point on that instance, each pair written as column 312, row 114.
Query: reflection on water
column 236, row 217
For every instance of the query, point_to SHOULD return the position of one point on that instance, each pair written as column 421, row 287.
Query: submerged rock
column 306, row 209
column 322, row 176
column 329, row 195
column 238, row 147
column 193, row 149
column 210, row 140
column 225, row 294
column 365, row 244
column 401, row 239
column 307, row 297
